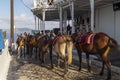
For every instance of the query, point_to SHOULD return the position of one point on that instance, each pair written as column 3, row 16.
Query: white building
column 105, row 18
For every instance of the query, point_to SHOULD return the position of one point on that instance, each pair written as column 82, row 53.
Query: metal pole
column 65, row 22
column 35, row 21
column 60, row 25
column 11, row 22
column 92, row 14
column 72, row 14
column 38, row 23
column 44, row 22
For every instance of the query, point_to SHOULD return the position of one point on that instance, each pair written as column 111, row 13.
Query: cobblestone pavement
column 21, row 69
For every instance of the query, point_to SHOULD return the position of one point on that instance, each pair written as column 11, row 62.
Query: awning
column 80, row 7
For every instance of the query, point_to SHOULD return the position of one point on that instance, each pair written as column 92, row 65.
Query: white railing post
column 44, row 22
column 72, row 15
column 92, row 14
column 38, row 23
column 60, row 24
column 35, row 22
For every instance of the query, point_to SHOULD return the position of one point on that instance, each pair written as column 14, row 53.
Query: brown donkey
column 95, row 43
column 63, row 46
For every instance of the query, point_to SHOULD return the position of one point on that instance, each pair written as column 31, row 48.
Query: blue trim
column 2, row 46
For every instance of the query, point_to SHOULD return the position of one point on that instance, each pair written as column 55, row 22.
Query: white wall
column 117, row 26
column 5, row 59
column 105, row 20
column 108, row 21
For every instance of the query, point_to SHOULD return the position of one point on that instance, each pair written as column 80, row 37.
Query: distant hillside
column 19, row 30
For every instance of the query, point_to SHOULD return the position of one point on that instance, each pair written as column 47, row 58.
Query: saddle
column 56, row 39
column 85, row 38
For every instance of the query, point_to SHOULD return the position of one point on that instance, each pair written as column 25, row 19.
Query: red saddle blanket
column 86, row 38
column 56, row 39
column 89, row 38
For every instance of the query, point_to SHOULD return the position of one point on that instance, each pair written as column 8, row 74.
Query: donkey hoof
column 42, row 65
column 89, row 70
column 79, row 69
column 101, row 73
column 52, row 67
column 58, row 66
column 66, row 71
column 109, row 78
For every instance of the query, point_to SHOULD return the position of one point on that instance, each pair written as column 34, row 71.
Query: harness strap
column 56, row 39
column 40, row 37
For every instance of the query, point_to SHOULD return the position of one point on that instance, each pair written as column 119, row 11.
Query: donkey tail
column 69, row 50
column 113, row 43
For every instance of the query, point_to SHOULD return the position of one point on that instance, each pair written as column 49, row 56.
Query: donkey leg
column 108, row 65
column 102, row 70
column 66, row 65
column 88, row 62
column 80, row 60
column 107, row 62
column 36, row 53
column 24, row 52
column 30, row 54
column 17, row 50
column 20, row 52
column 43, row 58
column 109, row 70
column 40, row 55
column 58, row 63
column 80, row 57
column 50, row 49
column 27, row 52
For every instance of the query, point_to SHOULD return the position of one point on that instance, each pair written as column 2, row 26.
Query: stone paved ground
column 21, row 69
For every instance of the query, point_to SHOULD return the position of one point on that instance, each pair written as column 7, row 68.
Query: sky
column 23, row 17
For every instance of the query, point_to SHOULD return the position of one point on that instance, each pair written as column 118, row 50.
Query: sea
column 8, row 37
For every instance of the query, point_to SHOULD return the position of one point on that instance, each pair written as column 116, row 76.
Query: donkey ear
column 25, row 33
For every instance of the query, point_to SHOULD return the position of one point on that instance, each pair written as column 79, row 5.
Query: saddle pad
column 81, row 38
column 89, row 38
column 17, row 41
column 41, row 36
column 56, row 39
column 86, row 38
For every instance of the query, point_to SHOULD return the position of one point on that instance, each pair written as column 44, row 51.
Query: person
column 68, row 29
